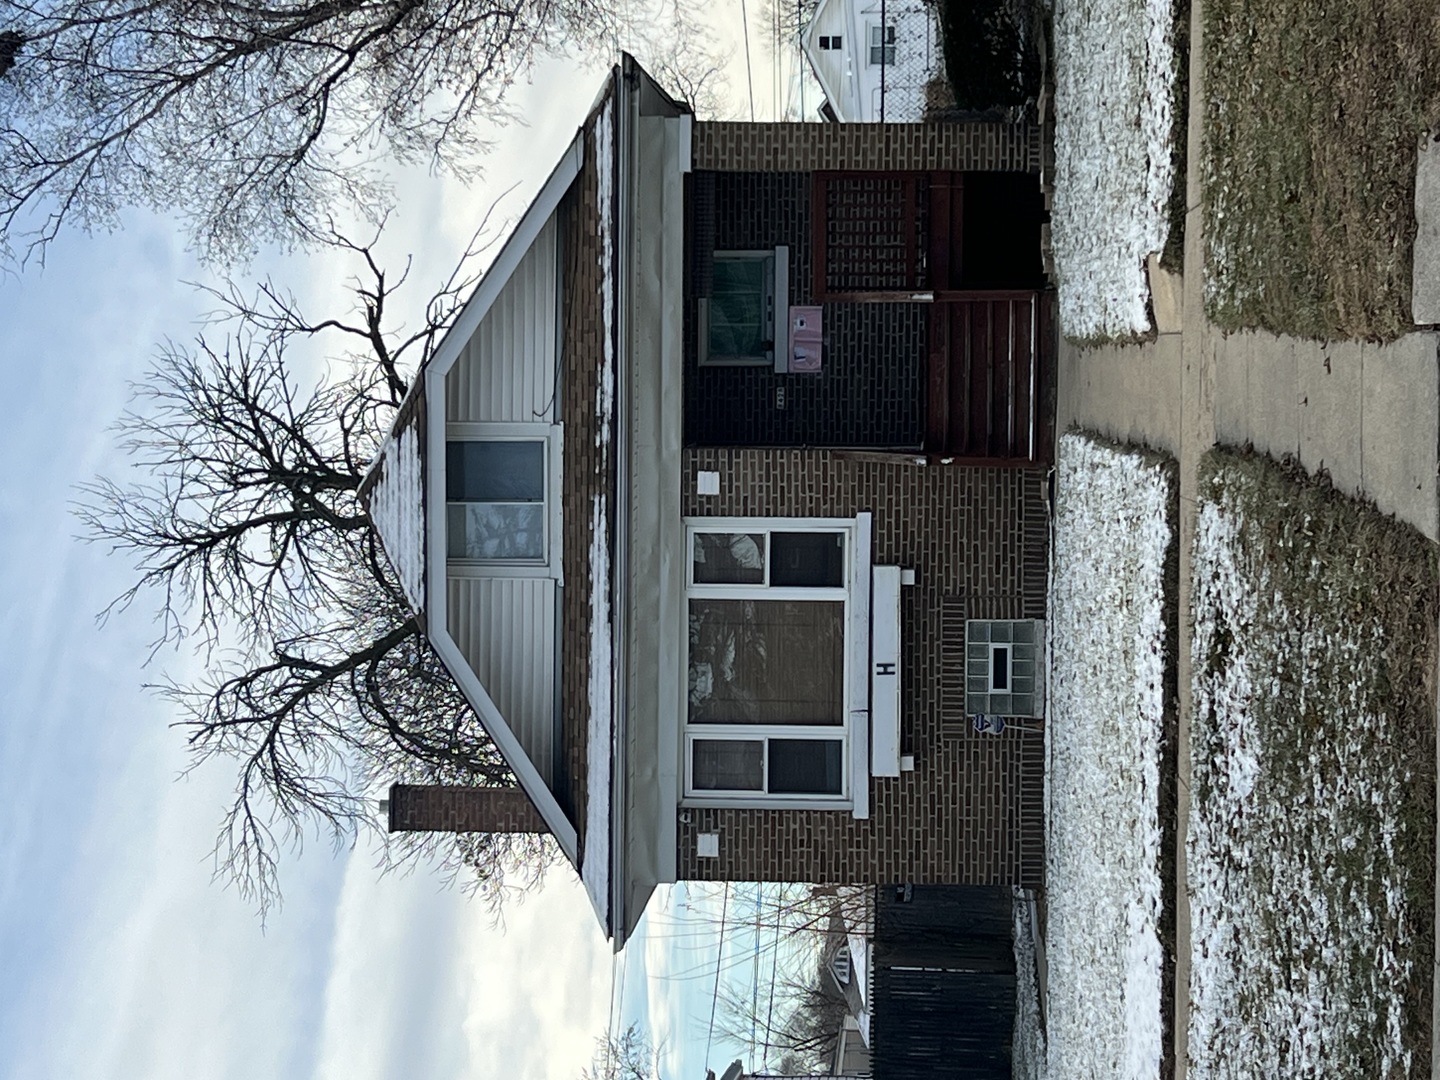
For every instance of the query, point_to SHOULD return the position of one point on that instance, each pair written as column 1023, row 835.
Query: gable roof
column 618, row 829
column 407, row 498
column 828, row 18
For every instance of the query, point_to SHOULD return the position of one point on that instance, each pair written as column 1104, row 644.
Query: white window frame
column 853, row 731
column 1009, row 647
column 881, row 36
column 550, row 436
column 779, row 311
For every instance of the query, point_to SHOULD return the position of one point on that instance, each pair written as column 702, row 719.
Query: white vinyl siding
column 506, row 371
column 505, row 627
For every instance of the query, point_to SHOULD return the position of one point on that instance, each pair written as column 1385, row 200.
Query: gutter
column 627, row 104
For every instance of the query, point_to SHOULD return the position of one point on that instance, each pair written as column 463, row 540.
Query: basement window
column 1004, row 667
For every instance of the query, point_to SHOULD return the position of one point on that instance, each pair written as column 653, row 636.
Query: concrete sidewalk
column 1368, row 415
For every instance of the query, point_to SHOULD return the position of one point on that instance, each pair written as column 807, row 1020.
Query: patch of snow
column 1104, row 726
column 1114, row 103
column 595, row 859
column 397, row 508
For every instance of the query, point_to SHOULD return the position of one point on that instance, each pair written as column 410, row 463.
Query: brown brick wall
column 588, row 473
column 978, row 146
column 443, row 808
column 971, row 812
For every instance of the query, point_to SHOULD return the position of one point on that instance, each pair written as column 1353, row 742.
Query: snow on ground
column 1114, row 100
column 1114, row 527
column 1308, row 872
column 1027, row 1047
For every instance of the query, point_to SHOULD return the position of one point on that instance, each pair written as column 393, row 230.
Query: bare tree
column 627, row 1056
column 251, row 120
column 245, row 524
column 678, row 50
column 785, row 20
column 795, row 1019
column 797, row 1022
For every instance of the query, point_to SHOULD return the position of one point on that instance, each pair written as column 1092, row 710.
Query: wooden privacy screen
column 898, row 237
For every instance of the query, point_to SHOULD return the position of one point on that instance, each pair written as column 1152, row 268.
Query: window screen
column 766, row 662
column 741, row 306
column 805, row 766
column 728, row 764
column 495, row 500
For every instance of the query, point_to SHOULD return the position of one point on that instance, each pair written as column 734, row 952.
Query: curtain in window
column 767, row 662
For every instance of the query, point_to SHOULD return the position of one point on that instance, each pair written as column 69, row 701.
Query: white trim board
column 500, row 271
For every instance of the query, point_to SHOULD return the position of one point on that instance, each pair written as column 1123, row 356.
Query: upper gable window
column 882, row 45
column 495, row 505
column 832, row 42
column 747, row 310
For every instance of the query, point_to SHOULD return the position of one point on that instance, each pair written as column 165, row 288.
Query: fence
column 943, row 995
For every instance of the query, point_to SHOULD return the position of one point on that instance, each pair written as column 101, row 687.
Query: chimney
column 446, row 808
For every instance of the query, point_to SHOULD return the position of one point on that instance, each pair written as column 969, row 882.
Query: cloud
column 424, row 984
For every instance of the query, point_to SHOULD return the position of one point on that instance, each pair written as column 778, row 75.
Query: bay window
column 771, row 658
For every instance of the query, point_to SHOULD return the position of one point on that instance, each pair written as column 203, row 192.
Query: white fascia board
column 498, row 274
column 508, row 745
column 435, row 598
column 437, row 631
column 857, row 55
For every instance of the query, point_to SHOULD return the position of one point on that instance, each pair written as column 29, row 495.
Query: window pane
column 729, row 558
column 766, row 662
column 805, row 766
column 807, row 559
column 495, row 471
column 738, row 323
column 728, row 764
column 1000, row 668
column 495, row 531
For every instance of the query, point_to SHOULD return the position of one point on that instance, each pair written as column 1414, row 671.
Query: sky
column 123, row 958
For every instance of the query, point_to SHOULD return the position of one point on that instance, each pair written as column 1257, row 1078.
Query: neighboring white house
column 873, row 60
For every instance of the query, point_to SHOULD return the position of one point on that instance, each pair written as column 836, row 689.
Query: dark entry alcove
column 1003, row 212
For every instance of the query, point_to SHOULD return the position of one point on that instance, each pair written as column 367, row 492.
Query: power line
column 725, row 904
column 770, row 1011
column 749, row 76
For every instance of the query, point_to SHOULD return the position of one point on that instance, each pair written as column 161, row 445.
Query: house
column 845, row 977
column 724, row 501
column 873, row 58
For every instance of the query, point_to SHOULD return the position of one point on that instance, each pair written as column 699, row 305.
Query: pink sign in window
column 805, row 340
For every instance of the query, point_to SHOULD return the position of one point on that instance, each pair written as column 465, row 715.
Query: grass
column 1313, row 113
column 1312, row 839
column 1173, row 257
column 1118, row 140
